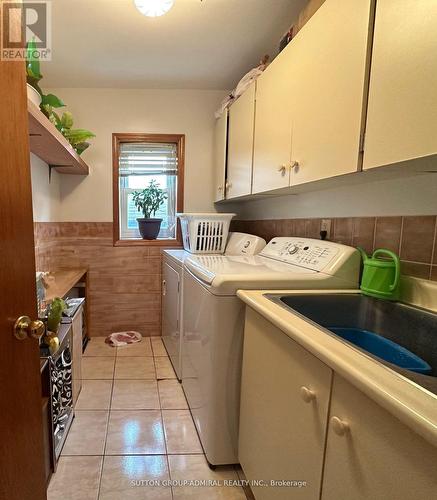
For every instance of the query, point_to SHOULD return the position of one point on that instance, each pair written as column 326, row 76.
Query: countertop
column 60, row 281
column 414, row 405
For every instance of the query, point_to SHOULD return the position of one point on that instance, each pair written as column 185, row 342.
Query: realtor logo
column 22, row 22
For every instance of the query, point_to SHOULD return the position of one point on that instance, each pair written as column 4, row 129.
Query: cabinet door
column 378, row 458
column 76, row 329
column 402, row 112
column 272, row 143
column 170, row 315
column 330, row 57
column 220, row 150
column 240, row 145
column 282, row 436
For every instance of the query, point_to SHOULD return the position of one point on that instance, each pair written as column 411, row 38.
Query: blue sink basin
column 383, row 348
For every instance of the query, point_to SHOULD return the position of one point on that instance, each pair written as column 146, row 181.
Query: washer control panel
column 303, row 252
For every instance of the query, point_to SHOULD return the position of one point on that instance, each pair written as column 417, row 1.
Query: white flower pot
column 33, row 95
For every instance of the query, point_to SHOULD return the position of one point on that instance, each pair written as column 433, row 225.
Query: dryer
column 213, row 322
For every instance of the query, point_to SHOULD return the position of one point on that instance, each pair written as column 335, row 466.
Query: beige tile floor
column 133, row 431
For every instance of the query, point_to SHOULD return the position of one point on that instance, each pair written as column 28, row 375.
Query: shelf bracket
column 51, row 167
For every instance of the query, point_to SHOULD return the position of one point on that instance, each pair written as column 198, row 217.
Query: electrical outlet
column 325, row 225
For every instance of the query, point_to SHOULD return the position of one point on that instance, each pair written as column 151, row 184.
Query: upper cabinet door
column 272, row 144
column 330, row 58
column 240, row 145
column 220, row 143
column 402, row 112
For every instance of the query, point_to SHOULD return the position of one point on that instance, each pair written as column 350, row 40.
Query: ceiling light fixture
column 154, row 8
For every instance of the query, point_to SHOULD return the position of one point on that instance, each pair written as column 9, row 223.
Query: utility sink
column 398, row 334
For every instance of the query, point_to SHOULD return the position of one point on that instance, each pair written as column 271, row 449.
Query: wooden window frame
column 117, row 139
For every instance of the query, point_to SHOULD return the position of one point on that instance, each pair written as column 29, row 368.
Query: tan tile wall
column 124, row 282
column 412, row 237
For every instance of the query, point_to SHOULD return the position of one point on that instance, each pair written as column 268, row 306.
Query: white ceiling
column 205, row 44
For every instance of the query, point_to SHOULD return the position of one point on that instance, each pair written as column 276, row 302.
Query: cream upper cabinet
column 220, row 151
column 240, row 145
column 284, row 410
column 329, row 77
column 272, row 143
column 402, row 111
column 371, row 455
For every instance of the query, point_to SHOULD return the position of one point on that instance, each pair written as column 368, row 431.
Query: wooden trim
column 117, row 139
column 148, row 243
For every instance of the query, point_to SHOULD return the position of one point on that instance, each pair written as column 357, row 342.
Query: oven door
column 62, row 389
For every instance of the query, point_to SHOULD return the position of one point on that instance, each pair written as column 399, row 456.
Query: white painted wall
column 399, row 196
column 104, row 111
column 46, row 196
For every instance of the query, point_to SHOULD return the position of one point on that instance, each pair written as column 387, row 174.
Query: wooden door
column 272, row 142
column 378, row 457
column 21, row 443
column 220, row 153
column 402, row 113
column 240, row 145
column 331, row 64
column 285, row 394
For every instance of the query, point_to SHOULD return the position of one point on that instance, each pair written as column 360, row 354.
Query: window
column 137, row 160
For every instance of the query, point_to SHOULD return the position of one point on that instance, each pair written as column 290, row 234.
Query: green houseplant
column 78, row 138
column 54, row 318
column 148, row 202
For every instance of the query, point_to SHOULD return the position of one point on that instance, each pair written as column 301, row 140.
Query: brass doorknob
column 25, row 327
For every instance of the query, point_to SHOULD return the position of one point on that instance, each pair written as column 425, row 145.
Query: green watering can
column 381, row 276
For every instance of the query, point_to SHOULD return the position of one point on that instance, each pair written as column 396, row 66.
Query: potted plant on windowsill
column 148, row 202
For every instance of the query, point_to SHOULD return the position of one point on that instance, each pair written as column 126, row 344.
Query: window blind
column 147, row 159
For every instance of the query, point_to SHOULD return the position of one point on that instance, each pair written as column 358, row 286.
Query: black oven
column 61, row 388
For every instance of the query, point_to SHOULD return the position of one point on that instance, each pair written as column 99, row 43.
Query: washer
column 213, row 322
column 172, row 290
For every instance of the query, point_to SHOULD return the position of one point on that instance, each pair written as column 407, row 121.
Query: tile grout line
column 107, row 426
column 374, row 234
column 433, row 248
column 110, row 409
column 162, row 422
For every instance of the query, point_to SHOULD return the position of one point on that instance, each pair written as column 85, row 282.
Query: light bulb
column 153, row 8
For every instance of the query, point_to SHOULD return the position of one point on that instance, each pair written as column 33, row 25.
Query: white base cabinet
column 341, row 443
column 370, row 454
column 284, row 410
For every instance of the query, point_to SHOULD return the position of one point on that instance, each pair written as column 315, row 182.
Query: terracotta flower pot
column 149, row 228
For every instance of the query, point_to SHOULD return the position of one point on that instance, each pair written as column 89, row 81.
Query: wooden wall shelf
column 51, row 146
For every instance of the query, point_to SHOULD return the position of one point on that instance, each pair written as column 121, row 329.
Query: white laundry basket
column 205, row 233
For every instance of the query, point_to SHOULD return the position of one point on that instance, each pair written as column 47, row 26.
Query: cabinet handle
column 282, row 169
column 228, row 185
column 307, row 394
column 294, row 165
column 341, row 427
column 164, row 288
column 220, row 188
